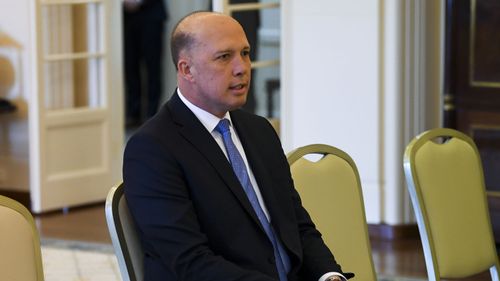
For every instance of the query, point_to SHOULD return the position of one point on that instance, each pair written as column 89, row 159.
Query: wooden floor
column 391, row 258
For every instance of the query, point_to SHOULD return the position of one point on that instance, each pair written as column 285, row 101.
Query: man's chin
column 238, row 103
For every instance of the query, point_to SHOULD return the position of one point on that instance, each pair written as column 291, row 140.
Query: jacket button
column 271, row 260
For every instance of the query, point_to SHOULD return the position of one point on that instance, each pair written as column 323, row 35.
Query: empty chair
column 20, row 253
column 124, row 236
column 330, row 190
column 445, row 180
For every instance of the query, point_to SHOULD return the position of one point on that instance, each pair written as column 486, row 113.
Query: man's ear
column 185, row 70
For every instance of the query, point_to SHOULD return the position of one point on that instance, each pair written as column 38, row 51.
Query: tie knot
column 223, row 126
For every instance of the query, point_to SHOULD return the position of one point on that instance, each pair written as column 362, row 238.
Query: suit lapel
column 260, row 171
column 278, row 210
column 196, row 134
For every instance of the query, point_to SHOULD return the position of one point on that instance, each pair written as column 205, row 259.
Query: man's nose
column 241, row 65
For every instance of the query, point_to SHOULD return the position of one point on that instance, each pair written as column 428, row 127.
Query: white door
column 76, row 128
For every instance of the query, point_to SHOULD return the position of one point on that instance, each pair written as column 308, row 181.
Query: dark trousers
column 143, row 41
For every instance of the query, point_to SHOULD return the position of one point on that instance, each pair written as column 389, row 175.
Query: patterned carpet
column 82, row 261
column 78, row 261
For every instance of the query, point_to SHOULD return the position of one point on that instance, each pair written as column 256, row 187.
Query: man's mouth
column 237, row 87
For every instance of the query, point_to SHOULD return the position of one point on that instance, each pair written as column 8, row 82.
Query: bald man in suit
column 198, row 219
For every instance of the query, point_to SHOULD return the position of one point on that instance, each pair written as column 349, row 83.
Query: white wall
column 350, row 78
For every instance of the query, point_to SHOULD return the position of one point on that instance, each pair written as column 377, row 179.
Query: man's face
column 220, row 66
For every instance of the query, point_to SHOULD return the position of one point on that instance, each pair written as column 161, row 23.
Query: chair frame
column 324, row 150
column 18, row 207
column 117, row 234
column 416, row 197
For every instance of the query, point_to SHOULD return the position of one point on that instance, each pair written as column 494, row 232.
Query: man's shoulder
column 241, row 115
column 158, row 127
column 253, row 125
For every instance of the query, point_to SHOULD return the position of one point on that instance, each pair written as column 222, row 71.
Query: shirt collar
column 206, row 118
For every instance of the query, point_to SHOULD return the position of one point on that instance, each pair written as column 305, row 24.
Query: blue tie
column 240, row 169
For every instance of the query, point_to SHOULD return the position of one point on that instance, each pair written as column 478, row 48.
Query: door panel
column 74, row 145
column 472, row 85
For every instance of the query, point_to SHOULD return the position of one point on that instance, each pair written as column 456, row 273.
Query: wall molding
column 393, row 232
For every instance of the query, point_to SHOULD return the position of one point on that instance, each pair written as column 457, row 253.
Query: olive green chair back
column 124, row 236
column 445, row 180
column 20, row 252
column 330, row 190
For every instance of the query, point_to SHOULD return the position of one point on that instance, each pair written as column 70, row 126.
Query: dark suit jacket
column 194, row 219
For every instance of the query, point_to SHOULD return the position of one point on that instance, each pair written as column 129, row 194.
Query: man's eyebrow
column 224, row 51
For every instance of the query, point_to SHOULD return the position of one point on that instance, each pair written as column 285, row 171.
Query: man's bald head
column 185, row 33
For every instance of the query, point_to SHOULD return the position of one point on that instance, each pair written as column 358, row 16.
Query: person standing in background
column 144, row 22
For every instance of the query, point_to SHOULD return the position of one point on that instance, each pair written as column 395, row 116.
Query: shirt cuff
column 330, row 274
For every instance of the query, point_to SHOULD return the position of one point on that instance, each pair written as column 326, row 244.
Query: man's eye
column 245, row 53
column 223, row 56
